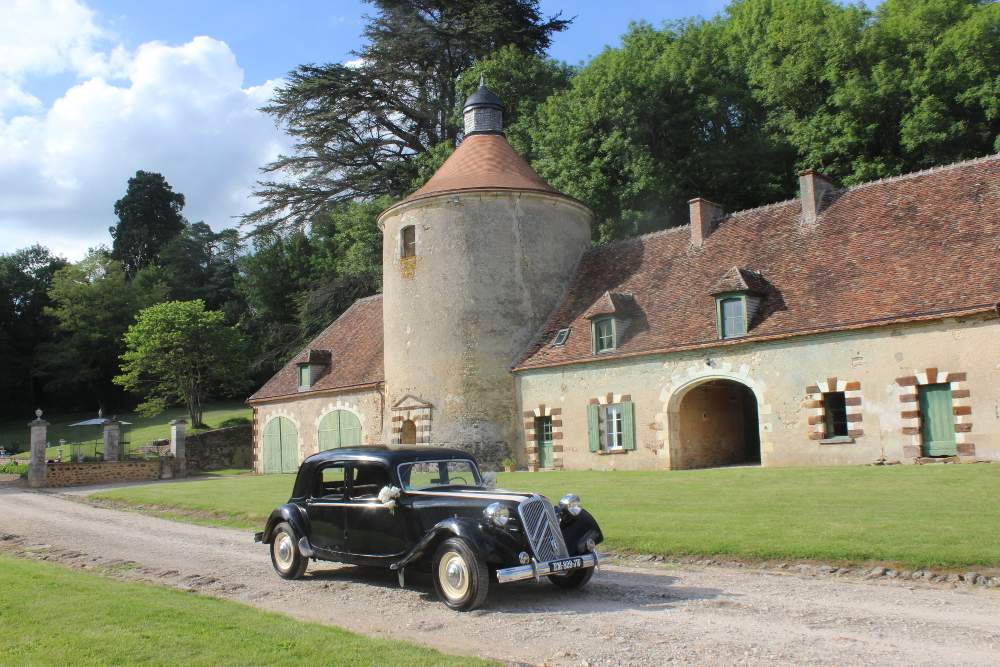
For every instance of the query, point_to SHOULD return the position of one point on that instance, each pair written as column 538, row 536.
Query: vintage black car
column 411, row 506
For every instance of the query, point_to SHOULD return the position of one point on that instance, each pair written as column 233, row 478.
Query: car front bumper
column 559, row 566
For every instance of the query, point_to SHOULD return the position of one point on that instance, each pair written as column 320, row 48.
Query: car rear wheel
column 285, row 556
column 573, row 579
column 461, row 578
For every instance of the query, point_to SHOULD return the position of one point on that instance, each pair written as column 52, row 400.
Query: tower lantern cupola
column 483, row 112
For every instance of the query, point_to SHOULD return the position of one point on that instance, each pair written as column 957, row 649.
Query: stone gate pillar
column 177, row 446
column 36, row 465
column 112, row 435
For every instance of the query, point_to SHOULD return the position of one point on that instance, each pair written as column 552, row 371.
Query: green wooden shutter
column 289, row 445
column 628, row 424
column 594, row 426
column 271, row 444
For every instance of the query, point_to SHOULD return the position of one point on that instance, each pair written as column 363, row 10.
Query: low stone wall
column 220, row 448
column 85, row 474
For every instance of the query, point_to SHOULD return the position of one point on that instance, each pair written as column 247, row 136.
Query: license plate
column 565, row 564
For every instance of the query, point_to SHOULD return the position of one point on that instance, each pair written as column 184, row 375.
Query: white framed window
column 613, row 427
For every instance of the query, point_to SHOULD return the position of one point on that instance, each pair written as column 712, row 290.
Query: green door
column 543, row 427
column 937, row 425
column 340, row 428
column 281, row 446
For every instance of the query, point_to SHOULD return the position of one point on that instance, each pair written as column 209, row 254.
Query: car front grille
column 542, row 528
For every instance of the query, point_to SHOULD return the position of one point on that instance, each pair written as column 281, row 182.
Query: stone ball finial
column 483, row 111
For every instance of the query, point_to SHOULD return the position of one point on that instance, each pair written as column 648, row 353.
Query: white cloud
column 177, row 110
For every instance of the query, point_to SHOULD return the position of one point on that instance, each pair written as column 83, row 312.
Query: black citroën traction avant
column 426, row 506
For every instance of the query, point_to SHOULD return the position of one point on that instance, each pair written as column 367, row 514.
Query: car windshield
column 430, row 474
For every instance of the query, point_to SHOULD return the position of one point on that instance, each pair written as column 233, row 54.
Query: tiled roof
column 907, row 248
column 611, row 303
column 740, row 280
column 351, row 347
column 483, row 162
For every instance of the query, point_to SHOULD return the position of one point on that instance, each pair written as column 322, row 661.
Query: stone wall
column 220, row 448
column 488, row 455
column 85, row 474
column 879, row 369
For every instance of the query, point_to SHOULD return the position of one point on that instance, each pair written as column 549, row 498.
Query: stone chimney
column 703, row 214
column 812, row 186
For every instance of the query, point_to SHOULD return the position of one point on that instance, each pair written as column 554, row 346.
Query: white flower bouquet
column 490, row 479
column 388, row 496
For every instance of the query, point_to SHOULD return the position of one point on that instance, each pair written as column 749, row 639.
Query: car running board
column 305, row 548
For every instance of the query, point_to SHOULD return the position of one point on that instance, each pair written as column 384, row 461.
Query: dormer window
column 610, row 317
column 305, row 376
column 732, row 315
column 604, row 334
column 738, row 296
column 408, row 241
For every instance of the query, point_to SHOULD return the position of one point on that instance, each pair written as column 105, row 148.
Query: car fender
column 583, row 527
column 471, row 531
column 291, row 514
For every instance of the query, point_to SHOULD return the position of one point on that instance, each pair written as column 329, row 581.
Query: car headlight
column 571, row 503
column 498, row 513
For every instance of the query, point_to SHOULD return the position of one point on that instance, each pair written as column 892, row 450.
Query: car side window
column 331, row 482
column 367, row 479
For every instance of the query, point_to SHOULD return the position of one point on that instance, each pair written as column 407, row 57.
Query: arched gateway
column 713, row 422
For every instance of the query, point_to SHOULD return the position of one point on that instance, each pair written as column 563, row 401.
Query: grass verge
column 102, row 621
column 913, row 516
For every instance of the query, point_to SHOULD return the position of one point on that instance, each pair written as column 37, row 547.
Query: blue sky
column 92, row 90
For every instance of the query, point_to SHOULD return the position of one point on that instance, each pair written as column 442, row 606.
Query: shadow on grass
column 607, row 591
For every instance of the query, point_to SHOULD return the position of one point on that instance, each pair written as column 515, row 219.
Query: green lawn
column 143, row 429
column 54, row 616
column 915, row 516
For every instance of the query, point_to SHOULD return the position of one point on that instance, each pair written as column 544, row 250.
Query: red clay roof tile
column 351, row 347
column 893, row 250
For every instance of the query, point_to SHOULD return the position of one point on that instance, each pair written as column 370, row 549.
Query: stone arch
column 674, row 393
column 340, row 405
column 408, row 432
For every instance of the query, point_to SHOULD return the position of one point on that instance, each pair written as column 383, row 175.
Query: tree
column 25, row 277
column 864, row 94
column 662, row 119
column 93, row 304
column 177, row 352
column 294, row 285
column 359, row 128
column 149, row 216
column 201, row 264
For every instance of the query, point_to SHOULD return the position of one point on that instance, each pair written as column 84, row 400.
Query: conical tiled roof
column 483, row 162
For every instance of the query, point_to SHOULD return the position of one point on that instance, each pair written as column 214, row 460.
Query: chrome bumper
column 538, row 570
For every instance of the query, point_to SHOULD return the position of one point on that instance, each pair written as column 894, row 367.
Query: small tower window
column 408, row 237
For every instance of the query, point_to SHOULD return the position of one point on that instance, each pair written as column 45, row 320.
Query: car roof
column 389, row 455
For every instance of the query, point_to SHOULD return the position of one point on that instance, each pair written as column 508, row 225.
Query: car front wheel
column 460, row 577
column 573, row 579
column 285, row 556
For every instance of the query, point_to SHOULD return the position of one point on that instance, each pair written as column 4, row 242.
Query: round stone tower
column 473, row 264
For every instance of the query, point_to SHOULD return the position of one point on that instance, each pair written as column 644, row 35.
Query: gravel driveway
column 651, row 615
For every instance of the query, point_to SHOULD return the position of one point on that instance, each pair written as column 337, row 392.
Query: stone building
column 838, row 328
